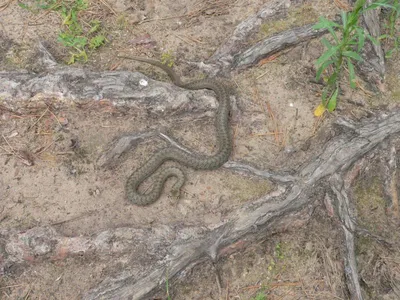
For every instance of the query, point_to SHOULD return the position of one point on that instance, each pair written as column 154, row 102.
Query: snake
column 154, row 165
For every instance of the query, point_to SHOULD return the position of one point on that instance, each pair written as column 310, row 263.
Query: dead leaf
column 320, row 110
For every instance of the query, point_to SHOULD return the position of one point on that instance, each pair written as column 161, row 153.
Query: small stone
column 143, row 82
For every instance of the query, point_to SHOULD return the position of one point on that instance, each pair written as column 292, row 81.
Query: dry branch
column 274, row 44
column 232, row 46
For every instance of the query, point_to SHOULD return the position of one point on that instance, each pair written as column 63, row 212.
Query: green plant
column 122, row 21
column 278, row 253
column 167, row 58
column 38, row 5
column 167, row 287
column 260, row 296
column 344, row 49
column 78, row 38
column 392, row 33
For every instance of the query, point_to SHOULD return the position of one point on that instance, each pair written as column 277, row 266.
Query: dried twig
column 37, row 121
column 25, row 160
column 58, row 121
column 105, row 3
column 5, row 5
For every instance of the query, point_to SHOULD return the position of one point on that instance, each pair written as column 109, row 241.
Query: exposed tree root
column 389, row 163
column 276, row 43
column 347, row 219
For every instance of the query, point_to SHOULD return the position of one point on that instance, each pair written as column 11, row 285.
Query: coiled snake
column 197, row 162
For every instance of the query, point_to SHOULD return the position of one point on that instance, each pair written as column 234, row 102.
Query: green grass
column 168, row 58
column 79, row 37
column 392, row 32
column 260, row 296
column 167, row 287
column 344, row 49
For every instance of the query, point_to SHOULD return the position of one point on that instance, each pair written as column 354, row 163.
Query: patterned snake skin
column 197, row 162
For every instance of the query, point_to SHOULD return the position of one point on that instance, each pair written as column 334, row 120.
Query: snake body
column 197, row 162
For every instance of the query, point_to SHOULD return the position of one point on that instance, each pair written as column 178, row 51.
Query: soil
column 51, row 177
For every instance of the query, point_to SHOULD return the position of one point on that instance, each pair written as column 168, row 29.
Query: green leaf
column 372, row 39
column 67, row 19
column 74, row 17
column 352, row 54
column 321, row 24
column 81, row 4
column 378, row 4
column 325, row 23
column 352, row 74
column 95, row 26
column 329, row 25
column 361, row 38
column 325, row 56
column 81, row 56
column 70, row 40
column 75, row 28
column 352, row 20
column 344, row 19
column 332, row 79
column 326, row 43
column 332, row 101
column 324, row 95
column 97, row 41
column 24, row 6
column 358, row 5
column 322, row 68
column 389, row 53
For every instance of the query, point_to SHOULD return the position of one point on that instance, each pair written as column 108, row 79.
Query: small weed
column 278, row 251
column 167, row 58
column 122, row 21
column 392, row 33
column 74, row 35
column 260, row 296
column 278, row 255
column 167, row 287
column 344, row 50
column 39, row 5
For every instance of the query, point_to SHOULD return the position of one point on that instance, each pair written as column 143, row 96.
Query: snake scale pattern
column 197, row 162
